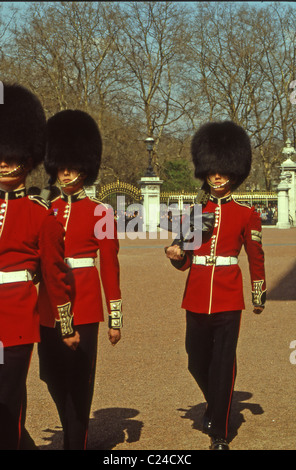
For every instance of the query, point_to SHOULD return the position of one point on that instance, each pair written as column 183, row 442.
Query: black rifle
column 205, row 220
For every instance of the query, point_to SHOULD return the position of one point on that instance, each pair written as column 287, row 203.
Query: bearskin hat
column 73, row 141
column 22, row 126
column 222, row 147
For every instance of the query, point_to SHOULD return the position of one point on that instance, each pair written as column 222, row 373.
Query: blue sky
column 21, row 5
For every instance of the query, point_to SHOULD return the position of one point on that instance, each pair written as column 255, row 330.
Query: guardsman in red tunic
column 31, row 241
column 73, row 159
column 213, row 296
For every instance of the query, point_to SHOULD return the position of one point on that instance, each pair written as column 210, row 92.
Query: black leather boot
column 219, row 443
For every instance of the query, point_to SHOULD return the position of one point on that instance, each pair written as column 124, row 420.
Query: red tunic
column 30, row 238
column 213, row 288
column 80, row 216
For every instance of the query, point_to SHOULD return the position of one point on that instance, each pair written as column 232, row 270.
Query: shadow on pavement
column 285, row 288
column 107, row 428
column 196, row 413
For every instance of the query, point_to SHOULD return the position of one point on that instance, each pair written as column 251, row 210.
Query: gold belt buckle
column 210, row 260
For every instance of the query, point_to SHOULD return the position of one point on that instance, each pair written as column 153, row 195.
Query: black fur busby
column 73, row 141
column 222, row 147
column 22, row 126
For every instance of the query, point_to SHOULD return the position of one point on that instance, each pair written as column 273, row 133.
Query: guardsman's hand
column 72, row 341
column 114, row 336
column 258, row 310
column 174, row 252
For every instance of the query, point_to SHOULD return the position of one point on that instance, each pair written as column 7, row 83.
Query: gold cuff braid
column 115, row 315
column 258, row 294
column 66, row 319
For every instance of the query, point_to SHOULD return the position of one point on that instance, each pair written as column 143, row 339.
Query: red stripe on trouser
column 19, row 428
column 20, row 424
column 90, row 381
column 230, row 398
column 85, row 440
column 232, row 386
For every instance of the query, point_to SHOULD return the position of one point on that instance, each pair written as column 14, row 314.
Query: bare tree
column 67, row 49
column 148, row 37
column 7, row 17
column 160, row 69
column 242, row 61
column 69, row 60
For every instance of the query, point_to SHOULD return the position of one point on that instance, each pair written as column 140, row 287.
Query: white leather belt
column 80, row 262
column 215, row 260
column 15, row 276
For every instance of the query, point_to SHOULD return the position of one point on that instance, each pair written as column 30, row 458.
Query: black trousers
column 211, row 342
column 13, row 396
column 69, row 376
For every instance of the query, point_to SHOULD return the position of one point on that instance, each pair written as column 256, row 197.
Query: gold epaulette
column 242, row 203
column 202, row 197
column 97, row 201
column 40, row 201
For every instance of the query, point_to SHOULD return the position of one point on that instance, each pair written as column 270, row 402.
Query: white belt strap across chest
column 214, row 260
column 80, row 262
column 15, row 276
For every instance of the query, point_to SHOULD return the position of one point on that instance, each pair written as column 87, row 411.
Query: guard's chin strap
column 13, row 173
column 217, row 186
column 72, row 182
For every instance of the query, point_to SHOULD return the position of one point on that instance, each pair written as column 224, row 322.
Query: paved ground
column 145, row 399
